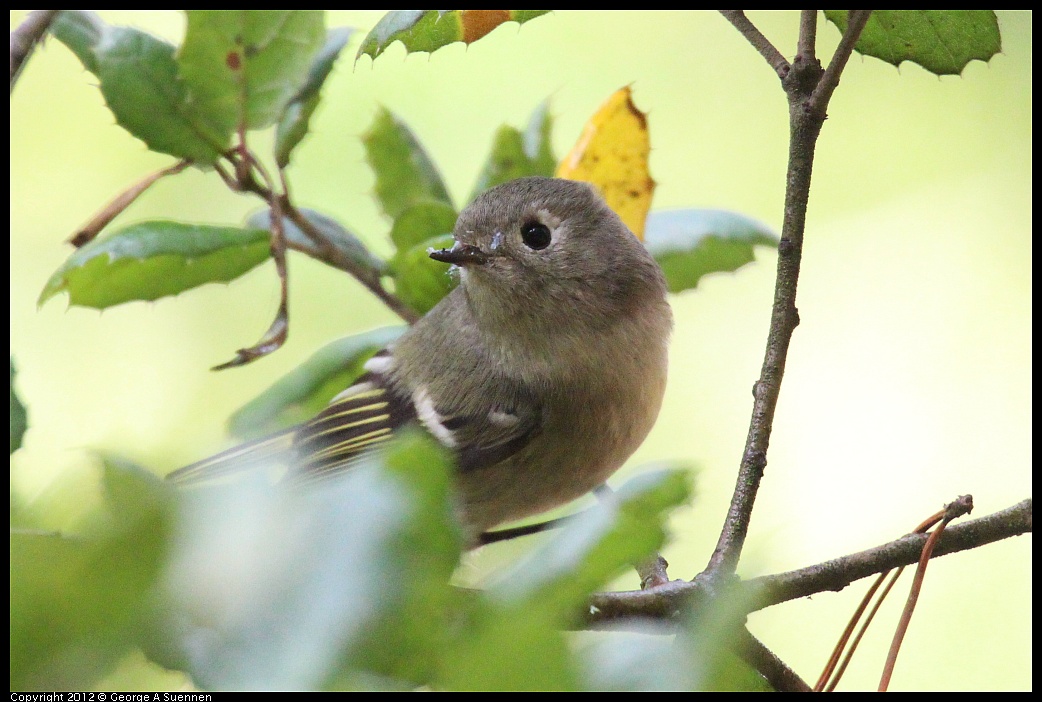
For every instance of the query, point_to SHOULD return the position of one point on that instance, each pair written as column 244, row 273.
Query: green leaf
column 689, row 244
column 512, row 637
column 293, row 123
column 422, row 221
column 508, row 648
column 242, row 67
column 150, row 260
column 429, row 30
column 19, row 418
column 516, row 154
column 620, row 531
column 335, row 233
column 305, row 391
column 404, row 172
column 420, row 281
column 78, row 604
column 138, row 77
column 81, row 31
column 405, row 642
column 326, row 585
column 941, row 41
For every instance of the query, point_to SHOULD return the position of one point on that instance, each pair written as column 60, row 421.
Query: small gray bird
column 542, row 371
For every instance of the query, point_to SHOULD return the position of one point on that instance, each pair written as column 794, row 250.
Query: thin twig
column 781, row 677
column 324, row 250
column 121, row 202
column 277, row 333
column 819, row 100
column 807, row 42
column 758, row 40
column 25, row 37
column 327, row 253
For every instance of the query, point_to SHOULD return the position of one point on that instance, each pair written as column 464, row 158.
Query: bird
column 541, row 372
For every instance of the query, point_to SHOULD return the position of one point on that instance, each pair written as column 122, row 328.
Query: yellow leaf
column 612, row 154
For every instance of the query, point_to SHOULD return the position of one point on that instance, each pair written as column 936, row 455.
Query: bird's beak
column 460, row 255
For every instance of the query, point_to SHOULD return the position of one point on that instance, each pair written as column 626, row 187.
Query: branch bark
column 668, row 601
column 25, row 38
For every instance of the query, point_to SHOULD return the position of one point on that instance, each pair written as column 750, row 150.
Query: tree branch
column 781, row 677
column 668, row 601
column 25, row 38
column 758, row 40
column 819, row 100
column 836, row 574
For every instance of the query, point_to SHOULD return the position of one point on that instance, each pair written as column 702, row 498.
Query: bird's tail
column 258, row 453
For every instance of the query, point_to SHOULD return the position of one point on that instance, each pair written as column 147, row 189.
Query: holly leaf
column 420, row 281
column 139, row 79
column 293, row 123
column 243, row 67
column 429, row 30
column 689, row 244
column 516, row 154
column 612, row 154
column 422, row 221
column 404, row 172
column 149, row 260
column 941, row 41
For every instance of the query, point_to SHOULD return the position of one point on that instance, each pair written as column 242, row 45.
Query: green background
column 908, row 380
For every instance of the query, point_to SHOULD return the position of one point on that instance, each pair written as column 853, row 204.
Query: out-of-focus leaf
column 141, row 85
column 150, row 260
column 941, row 41
column 612, row 154
column 429, row 30
column 334, row 232
column 422, row 221
column 512, row 637
column 652, row 659
column 293, row 123
column 306, row 390
column 319, row 587
column 689, row 244
column 79, row 603
column 516, row 154
column 621, row 530
column 420, row 281
column 19, row 419
column 404, row 172
column 242, row 67
column 510, row 647
column 406, row 640
column 81, row 31
column 708, row 634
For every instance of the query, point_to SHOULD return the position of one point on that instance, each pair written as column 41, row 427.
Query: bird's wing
column 366, row 416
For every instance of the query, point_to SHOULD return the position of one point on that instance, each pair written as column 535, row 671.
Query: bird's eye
column 536, row 235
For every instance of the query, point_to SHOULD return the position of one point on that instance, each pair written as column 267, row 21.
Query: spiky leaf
column 149, row 260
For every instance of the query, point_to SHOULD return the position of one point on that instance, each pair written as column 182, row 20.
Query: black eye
column 536, row 235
